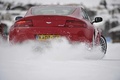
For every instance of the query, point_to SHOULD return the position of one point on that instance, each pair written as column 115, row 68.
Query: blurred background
column 109, row 10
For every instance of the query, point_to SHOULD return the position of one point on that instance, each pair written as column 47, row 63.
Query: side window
column 84, row 14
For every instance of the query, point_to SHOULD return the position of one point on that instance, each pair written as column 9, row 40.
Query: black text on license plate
column 45, row 37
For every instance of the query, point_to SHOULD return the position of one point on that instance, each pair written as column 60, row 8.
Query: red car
column 48, row 22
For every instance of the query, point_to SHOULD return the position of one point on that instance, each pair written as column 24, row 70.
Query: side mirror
column 97, row 19
column 18, row 17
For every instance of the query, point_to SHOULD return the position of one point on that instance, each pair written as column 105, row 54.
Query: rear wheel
column 103, row 44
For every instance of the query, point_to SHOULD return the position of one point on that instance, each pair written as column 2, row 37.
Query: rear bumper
column 72, row 34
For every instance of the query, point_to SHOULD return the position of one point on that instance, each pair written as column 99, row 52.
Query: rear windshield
column 52, row 10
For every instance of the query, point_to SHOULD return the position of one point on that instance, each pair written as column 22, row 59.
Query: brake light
column 24, row 23
column 73, row 23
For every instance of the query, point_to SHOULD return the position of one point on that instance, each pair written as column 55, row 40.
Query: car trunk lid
column 49, row 20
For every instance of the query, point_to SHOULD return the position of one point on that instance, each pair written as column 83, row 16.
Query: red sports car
column 48, row 22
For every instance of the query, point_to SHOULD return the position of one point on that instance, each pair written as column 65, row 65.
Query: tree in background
column 104, row 3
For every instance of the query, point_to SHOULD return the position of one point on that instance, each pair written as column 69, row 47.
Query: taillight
column 24, row 23
column 73, row 23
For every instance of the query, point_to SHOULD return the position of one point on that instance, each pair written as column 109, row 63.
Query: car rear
column 51, row 22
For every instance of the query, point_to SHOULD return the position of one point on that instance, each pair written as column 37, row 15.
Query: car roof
column 58, row 6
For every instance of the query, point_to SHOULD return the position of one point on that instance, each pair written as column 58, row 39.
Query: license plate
column 46, row 37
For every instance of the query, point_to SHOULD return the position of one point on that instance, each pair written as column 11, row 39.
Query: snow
column 58, row 60
column 85, row 2
column 88, row 3
column 117, row 28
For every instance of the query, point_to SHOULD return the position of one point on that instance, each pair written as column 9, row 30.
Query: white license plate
column 46, row 37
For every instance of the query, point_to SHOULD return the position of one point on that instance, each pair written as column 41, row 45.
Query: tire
column 103, row 44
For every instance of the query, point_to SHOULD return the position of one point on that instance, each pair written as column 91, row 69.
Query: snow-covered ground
column 58, row 60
